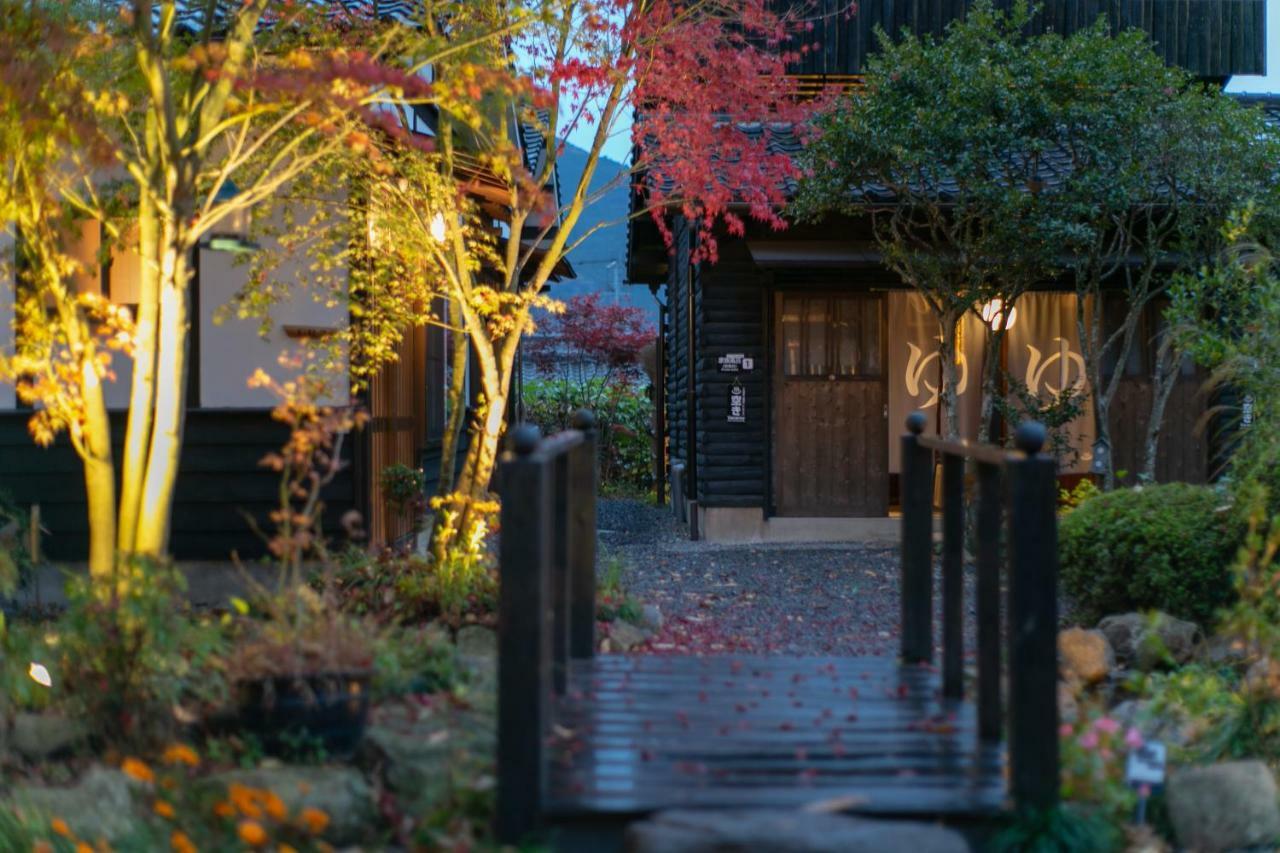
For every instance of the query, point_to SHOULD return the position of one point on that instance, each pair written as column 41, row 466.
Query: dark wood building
column 790, row 364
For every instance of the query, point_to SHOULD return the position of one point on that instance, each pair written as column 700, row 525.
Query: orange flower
column 180, row 753
column 224, row 808
column 252, row 833
column 274, row 805
column 135, row 769
column 313, row 820
column 59, row 826
column 286, row 848
column 181, row 843
column 163, row 809
column 82, row 847
column 42, row 847
column 243, row 798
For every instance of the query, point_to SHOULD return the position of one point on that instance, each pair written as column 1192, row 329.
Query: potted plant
column 301, row 676
column 300, row 670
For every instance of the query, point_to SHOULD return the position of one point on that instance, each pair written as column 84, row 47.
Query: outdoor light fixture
column 438, row 227
column 39, row 674
column 235, row 240
column 993, row 311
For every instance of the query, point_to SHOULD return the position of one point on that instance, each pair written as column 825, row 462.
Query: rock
column 39, row 736
column 1219, row 651
column 340, row 792
column 1150, row 641
column 1084, row 656
column 424, row 757
column 624, row 636
column 652, row 617
column 477, row 641
column 98, row 806
column 770, row 831
column 1169, row 726
column 1224, row 806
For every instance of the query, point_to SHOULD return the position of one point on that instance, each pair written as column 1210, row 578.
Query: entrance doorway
column 830, row 427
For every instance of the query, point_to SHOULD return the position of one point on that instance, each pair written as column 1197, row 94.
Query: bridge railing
column 1015, row 529
column 546, row 602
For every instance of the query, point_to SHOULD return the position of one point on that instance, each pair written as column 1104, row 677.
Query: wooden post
column 952, row 576
column 523, row 643
column 990, row 515
column 582, row 539
column 563, row 499
column 917, row 544
column 1033, row 624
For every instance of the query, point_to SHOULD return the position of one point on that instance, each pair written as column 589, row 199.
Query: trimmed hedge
column 1166, row 547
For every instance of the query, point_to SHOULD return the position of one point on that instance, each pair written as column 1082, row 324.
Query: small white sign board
column 1146, row 765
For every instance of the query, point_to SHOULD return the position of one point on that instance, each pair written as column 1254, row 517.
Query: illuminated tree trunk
column 168, row 418
column 99, row 475
column 137, row 440
column 453, row 429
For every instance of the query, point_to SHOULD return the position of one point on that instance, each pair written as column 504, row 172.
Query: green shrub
column 624, row 425
column 1167, row 547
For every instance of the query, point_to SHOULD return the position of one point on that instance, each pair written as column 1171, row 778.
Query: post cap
column 583, row 420
column 525, row 438
column 1030, row 437
column 916, row 421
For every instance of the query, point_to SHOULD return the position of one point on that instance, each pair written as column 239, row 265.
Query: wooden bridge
column 591, row 741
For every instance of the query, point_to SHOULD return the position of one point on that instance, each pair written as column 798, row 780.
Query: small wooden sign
column 737, row 403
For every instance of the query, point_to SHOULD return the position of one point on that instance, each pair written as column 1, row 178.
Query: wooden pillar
column 524, row 653
column 952, row 576
column 990, row 515
column 1033, row 624
column 582, row 538
column 917, row 544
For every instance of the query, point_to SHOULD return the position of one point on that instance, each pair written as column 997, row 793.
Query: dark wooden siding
column 677, row 348
column 731, row 317
column 1210, row 38
column 219, row 479
column 1182, row 454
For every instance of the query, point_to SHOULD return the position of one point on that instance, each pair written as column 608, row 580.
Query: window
column 823, row 336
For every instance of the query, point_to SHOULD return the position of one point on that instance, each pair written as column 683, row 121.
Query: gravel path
column 839, row 599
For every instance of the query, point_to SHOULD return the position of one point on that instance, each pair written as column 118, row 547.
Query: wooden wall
column 732, row 317
column 219, row 479
column 1210, row 38
column 1182, row 453
column 677, row 348
column 397, row 431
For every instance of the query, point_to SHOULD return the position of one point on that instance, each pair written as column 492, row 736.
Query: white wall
column 231, row 351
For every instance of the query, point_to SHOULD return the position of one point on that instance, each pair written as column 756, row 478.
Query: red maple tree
column 605, row 338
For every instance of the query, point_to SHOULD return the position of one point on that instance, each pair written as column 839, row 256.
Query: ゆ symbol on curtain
column 916, row 375
column 1068, row 363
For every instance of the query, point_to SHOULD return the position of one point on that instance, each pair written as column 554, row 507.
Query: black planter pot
column 324, row 709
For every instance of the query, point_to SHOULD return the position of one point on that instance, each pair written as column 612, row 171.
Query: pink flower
column 1065, row 730
column 1133, row 738
column 1089, row 740
column 1106, row 724
column 1144, row 790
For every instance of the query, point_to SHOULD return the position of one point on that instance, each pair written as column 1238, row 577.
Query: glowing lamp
column 40, row 675
column 438, row 227
column 993, row 312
